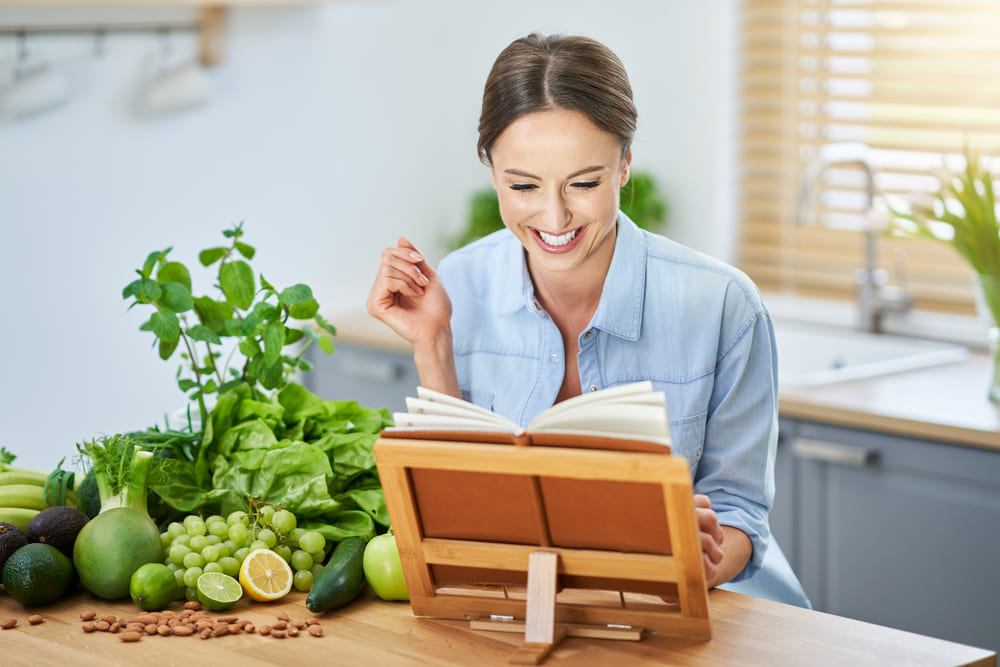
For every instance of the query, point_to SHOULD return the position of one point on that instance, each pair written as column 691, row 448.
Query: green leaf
column 210, row 386
column 249, row 348
column 305, row 365
column 295, row 294
column 150, row 263
column 165, row 324
column 185, row 384
column 213, row 314
column 237, row 282
column 174, row 272
column 303, row 311
column 273, row 376
column 264, row 284
column 245, row 250
column 210, row 256
column 326, row 344
column 292, row 336
column 145, row 290
column 167, row 347
column 274, row 341
column 202, row 333
column 176, row 297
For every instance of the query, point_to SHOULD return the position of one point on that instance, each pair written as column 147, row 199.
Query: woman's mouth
column 558, row 243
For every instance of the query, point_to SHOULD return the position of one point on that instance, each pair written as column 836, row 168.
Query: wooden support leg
column 540, row 632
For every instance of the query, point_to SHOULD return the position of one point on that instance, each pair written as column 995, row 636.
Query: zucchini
column 342, row 577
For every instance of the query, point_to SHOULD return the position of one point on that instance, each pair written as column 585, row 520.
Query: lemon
column 152, row 586
column 218, row 591
column 265, row 575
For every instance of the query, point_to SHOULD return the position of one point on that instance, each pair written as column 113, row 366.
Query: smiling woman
column 572, row 296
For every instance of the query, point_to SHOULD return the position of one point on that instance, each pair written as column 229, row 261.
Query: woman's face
column 558, row 178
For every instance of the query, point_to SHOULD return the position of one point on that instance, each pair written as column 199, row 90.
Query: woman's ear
column 626, row 166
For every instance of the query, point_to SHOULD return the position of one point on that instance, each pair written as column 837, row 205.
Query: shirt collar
column 619, row 311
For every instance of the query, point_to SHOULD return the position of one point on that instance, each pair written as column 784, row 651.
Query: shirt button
column 537, row 305
column 593, row 387
column 555, row 358
column 590, row 332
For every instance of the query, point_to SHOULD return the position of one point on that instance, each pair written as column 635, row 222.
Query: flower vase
column 988, row 307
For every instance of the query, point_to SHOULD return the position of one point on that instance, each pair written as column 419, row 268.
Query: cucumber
column 342, row 578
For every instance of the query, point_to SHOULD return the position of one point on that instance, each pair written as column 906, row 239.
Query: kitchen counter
column 946, row 403
column 746, row 631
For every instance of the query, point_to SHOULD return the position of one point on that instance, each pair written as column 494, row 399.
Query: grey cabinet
column 896, row 531
column 372, row 376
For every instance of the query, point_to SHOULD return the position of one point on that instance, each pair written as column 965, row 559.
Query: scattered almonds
column 8, row 623
column 35, row 619
column 192, row 620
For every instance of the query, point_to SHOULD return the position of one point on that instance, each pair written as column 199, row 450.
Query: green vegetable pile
column 266, row 438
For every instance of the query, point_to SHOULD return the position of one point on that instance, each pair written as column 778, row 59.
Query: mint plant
column 255, row 317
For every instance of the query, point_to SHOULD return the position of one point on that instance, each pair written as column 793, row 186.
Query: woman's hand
column 409, row 297
column 712, row 537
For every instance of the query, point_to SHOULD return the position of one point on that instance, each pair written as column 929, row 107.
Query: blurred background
column 328, row 128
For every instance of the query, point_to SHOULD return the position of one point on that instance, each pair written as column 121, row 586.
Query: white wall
column 333, row 129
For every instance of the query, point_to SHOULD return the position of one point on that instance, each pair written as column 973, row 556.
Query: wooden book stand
column 596, row 536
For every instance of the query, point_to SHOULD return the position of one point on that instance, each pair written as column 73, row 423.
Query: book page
column 424, row 407
column 611, row 418
column 406, row 420
column 635, row 392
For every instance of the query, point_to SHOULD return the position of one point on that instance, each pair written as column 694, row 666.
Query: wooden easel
column 472, row 520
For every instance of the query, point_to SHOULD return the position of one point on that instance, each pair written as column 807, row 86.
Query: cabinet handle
column 832, row 452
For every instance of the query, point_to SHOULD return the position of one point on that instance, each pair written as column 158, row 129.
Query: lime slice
column 218, row 591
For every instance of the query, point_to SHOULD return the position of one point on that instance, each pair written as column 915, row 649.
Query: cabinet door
column 900, row 532
column 373, row 377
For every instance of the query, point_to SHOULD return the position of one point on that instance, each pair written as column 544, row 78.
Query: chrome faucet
column 876, row 296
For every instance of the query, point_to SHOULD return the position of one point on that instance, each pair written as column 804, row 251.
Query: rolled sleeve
column 736, row 470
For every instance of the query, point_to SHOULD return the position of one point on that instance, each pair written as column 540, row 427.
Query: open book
column 633, row 414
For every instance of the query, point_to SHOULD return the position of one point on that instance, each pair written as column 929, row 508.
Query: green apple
column 383, row 568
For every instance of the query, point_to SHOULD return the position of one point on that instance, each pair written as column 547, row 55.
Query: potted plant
column 641, row 201
column 962, row 212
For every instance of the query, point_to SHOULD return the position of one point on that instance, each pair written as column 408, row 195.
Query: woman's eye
column 522, row 186
column 586, row 185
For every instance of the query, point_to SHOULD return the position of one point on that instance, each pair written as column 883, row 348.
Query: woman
column 572, row 296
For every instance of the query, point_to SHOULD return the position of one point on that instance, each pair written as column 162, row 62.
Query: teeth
column 562, row 239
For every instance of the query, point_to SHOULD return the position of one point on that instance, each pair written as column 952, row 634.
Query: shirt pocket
column 483, row 399
column 687, row 438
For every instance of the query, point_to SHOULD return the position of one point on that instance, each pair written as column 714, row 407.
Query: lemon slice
column 265, row 575
column 218, row 591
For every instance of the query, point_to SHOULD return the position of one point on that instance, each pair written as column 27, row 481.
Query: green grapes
column 195, row 545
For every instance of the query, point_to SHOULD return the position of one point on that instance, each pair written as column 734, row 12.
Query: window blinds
column 914, row 80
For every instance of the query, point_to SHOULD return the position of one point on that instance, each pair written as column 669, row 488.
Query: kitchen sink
column 812, row 354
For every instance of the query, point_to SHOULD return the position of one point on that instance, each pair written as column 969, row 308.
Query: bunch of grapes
column 196, row 545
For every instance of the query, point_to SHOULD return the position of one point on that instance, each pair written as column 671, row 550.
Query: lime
column 37, row 573
column 153, row 586
column 218, row 591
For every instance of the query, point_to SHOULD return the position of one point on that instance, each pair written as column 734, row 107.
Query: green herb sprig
column 254, row 316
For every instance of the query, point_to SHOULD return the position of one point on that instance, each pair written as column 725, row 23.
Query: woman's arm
column 409, row 297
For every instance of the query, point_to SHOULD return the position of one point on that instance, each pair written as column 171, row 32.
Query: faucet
column 876, row 296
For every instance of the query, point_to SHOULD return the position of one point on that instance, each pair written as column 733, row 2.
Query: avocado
column 57, row 526
column 37, row 574
column 12, row 538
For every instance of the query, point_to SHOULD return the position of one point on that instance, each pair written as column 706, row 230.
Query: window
column 913, row 81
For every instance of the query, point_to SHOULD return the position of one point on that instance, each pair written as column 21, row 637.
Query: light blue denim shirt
column 692, row 325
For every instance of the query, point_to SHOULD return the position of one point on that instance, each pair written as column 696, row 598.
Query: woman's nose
column 557, row 214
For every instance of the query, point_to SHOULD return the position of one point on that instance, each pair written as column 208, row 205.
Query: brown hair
column 540, row 73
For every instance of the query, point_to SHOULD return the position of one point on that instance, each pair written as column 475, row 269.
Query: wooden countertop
column 746, row 631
